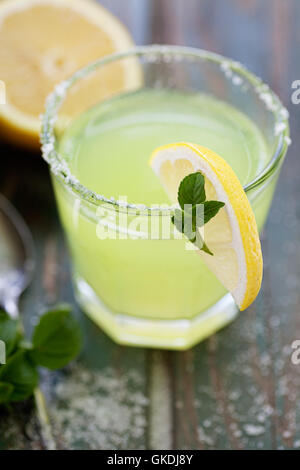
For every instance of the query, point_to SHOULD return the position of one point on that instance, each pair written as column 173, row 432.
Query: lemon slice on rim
column 232, row 234
column 43, row 42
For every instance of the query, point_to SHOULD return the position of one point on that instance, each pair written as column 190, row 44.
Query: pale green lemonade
column 108, row 149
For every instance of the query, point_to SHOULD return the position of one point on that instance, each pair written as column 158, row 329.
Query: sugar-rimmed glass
column 130, row 304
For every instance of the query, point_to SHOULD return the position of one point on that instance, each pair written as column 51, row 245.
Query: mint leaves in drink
column 195, row 210
column 56, row 340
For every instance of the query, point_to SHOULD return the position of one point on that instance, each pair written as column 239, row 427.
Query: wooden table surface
column 237, row 390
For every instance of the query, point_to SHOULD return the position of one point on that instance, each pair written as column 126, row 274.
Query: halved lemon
column 43, row 42
column 232, row 234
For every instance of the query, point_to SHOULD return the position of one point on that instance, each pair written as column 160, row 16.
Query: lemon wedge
column 232, row 234
column 43, row 42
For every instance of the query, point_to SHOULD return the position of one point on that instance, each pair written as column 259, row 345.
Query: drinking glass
column 142, row 290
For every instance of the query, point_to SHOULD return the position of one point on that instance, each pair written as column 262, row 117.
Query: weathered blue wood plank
column 135, row 15
column 237, row 390
column 240, row 388
column 100, row 401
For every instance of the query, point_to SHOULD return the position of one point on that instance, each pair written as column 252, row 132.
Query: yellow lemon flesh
column 43, row 42
column 232, row 234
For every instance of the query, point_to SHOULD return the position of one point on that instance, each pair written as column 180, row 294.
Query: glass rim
column 59, row 167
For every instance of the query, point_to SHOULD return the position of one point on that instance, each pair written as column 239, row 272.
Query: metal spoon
column 16, row 269
column 16, row 257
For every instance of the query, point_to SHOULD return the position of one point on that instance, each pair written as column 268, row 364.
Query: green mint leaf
column 184, row 222
column 191, row 190
column 199, row 242
column 56, row 339
column 178, row 220
column 10, row 332
column 211, row 208
column 206, row 249
column 21, row 374
column 6, row 390
column 196, row 211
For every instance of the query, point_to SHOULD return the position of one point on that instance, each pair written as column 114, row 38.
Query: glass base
column 152, row 333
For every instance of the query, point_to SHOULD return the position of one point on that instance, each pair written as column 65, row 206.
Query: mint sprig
column 195, row 210
column 21, row 374
column 56, row 340
column 192, row 190
column 10, row 332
